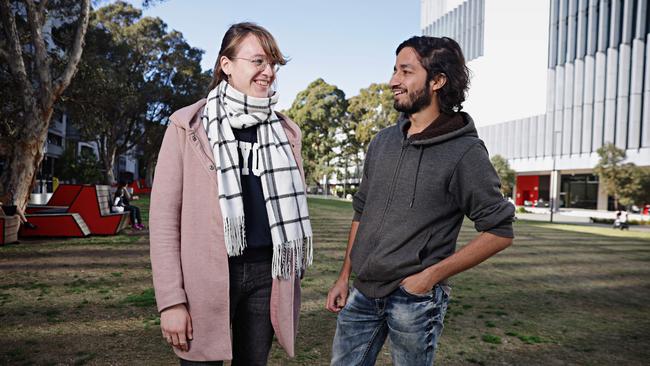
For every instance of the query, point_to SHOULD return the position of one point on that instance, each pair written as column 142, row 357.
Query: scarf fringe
column 235, row 235
column 292, row 256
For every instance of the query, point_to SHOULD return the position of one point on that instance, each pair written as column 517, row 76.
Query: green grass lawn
column 560, row 295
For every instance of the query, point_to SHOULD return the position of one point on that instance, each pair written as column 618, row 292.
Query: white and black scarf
column 282, row 185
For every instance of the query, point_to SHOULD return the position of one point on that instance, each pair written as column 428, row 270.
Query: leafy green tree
column 319, row 110
column 642, row 196
column 631, row 184
column 622, row 181
column 505, row 173
column 40, row 49
column 133, row 74
column 83, row 168
column 350, row 153
column 179, row 82
column 368, row 112
column 371, row 111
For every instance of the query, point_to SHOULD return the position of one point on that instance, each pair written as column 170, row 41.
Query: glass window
column 579, row 191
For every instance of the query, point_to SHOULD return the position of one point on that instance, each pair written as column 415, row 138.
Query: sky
column 351, row 44
column 509, row 80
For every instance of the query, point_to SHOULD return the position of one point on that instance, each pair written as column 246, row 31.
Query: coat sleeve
column 475, row 187
column 164, row 222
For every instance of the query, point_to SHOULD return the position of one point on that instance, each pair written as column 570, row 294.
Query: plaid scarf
column 282, row 185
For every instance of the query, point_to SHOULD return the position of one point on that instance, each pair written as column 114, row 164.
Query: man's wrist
column 343, row 277
column 433, row 274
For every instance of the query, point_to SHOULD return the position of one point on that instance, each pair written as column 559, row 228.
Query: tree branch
column 74, row 56
column 129, row 140
column 4, row 55
column 128, row 146
column 41, row 7
column 42, row 59
column 15, row 55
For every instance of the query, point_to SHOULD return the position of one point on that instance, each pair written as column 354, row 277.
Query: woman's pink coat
column 188, row 255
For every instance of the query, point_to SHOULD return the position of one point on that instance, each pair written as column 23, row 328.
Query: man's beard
column 416, row 102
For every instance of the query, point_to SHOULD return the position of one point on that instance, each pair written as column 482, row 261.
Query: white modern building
column 62, row 135
column 597, row 91
column 505, row 46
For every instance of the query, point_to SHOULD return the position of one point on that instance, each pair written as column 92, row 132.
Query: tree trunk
column 24, row 160
column 327, row 180
column 345, row 178
column 38, row 91
column 108, row 158
column 151, row 163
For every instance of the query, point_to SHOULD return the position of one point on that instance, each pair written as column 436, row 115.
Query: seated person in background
column 121, row 203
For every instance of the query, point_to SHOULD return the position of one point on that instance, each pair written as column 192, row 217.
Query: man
column 421, row 177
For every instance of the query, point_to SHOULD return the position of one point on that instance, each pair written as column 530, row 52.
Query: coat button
column 211, row 167
column 193, row 137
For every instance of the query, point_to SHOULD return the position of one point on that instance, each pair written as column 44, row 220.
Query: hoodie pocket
column 389, row 259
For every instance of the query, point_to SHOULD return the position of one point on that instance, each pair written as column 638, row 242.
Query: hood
column 455, row 125
column 185, row 117
column 444, row 128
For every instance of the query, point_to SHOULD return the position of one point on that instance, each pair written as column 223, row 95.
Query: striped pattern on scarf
column 282, row 185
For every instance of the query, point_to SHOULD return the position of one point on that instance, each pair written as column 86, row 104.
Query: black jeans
column 134, row 211
column 250, row 315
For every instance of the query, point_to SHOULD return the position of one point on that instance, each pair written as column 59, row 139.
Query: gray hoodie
column 413, row 196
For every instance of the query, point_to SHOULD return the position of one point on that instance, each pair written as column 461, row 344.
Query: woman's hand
column 176, row 326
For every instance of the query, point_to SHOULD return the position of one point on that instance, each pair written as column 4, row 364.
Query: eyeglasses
column 260, row 63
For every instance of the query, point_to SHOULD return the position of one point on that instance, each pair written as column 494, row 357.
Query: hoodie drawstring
column 417, row 172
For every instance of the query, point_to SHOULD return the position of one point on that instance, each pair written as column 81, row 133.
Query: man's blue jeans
column 412, row 323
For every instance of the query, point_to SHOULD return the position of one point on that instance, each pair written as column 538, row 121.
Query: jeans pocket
column 426, row 295
column 446, row 289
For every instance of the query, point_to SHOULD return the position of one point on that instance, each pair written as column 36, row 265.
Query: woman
column 122, row 202
column 230, row 231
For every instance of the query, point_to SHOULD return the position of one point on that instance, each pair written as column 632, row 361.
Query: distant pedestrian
column 621, row 220
column 122, row 203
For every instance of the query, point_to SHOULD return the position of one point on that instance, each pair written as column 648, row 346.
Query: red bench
column 55, row 225
column 93, row 205
column 9, row 229
column 139, row 187
column 62, row 198
column 64, row 195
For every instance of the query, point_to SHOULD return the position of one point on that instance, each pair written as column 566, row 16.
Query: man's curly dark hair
column 442, row 56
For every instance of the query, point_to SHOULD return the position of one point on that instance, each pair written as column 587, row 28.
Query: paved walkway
column 568, row 218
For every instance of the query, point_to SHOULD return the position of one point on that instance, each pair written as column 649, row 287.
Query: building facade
column 61, row 136
column 597, row 92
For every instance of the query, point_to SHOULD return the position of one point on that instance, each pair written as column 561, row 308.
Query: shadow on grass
column 88, row 253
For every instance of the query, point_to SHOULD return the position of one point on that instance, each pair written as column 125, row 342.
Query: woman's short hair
column 230, row 45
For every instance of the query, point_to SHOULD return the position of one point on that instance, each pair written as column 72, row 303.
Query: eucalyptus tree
column 40, row 50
